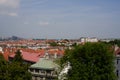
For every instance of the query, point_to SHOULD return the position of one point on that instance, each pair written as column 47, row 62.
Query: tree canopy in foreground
column 92, row 61
column 15, row 70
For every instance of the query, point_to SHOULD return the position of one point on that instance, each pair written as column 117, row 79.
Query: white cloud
column 43, row 23
column 8, row 13
column 10, row 3
column 12, row 14
column 9, row 7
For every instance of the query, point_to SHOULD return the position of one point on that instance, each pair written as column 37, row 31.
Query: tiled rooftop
column 44, row 64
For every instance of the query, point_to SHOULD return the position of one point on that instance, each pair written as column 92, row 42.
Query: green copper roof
column 44, row 64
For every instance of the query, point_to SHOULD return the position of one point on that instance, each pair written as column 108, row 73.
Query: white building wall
column 83, row 40
column 117, row 66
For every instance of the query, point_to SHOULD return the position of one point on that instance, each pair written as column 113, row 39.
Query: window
column 48, row 71
column 42, row 72
column 35, row 77
column 117, row 61
column 37, row 70
column 31, row 70
column 117, row 73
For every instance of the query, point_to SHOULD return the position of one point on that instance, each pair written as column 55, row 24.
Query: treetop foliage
column 15, row 70
column 92, row 61
column 115, row 42
column 18, row 57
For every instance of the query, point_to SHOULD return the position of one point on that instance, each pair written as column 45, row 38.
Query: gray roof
column 44, row 64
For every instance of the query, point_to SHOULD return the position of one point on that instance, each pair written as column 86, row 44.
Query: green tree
column 19, row 70
column 53, row 44
column 18, row 57
column 115, row 42
column 15, row 70
column 92, row 61
column 3, row 67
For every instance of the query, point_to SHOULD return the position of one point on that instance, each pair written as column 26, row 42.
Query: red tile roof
column 117, row 52
column 32, row 57
column 30, row 54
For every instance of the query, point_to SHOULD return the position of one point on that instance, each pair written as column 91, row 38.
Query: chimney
column 1, row 50
column 116, row 47
column 46, row 55
column 55, row 55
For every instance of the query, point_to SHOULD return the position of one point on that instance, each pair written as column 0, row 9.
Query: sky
column 60, row 19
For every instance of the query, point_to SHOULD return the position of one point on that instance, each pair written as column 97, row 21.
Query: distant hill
column 15, row 38
column 11, row 38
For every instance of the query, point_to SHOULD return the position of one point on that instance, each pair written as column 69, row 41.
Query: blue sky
column 60, row 18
